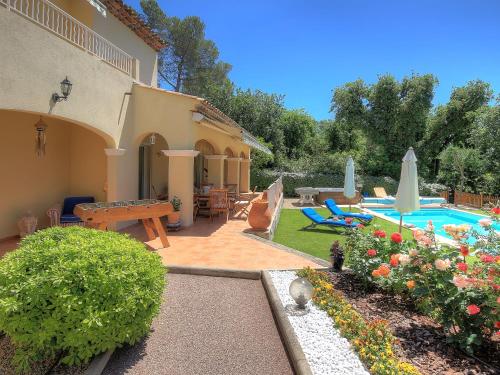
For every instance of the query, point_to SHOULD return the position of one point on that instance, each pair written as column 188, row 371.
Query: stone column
column 233, row 172
column 112, row 185
column 181, row 180
column 112, row 173
column 245, row 176
column 216, row 170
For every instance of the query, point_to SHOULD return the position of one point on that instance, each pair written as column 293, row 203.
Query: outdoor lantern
column 40, row 128
column 152, row 139
column 66, row 86
column 301, row 291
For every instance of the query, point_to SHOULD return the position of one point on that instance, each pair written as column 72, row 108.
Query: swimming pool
column 391, row 200
column 439, row 217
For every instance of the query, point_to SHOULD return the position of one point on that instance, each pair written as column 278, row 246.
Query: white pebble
column 326, row 351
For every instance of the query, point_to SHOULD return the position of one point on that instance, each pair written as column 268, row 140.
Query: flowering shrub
column 463, row 294
column 372, row 340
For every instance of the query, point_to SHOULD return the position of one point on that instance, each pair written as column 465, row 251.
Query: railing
column 54, row 19
column 475, row 200
column 274, row 193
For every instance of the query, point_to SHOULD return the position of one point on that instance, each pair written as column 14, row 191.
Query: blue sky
column 303, row 49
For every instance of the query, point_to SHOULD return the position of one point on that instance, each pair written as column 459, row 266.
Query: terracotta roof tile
column 130, row 18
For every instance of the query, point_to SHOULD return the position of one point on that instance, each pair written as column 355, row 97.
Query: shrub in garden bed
column 75, row 292
column 458, row 287
column 372, row 340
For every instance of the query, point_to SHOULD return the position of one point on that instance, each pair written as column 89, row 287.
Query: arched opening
column 201, row 163
column 73, row 164
column 153, row 167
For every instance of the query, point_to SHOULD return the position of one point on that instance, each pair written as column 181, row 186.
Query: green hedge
column 77, row 292
column 263, row 178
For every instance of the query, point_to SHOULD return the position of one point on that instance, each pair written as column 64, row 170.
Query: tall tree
column 297, row 127
column 189, row 61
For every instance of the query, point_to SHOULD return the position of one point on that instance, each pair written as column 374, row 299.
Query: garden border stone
column 292, row 345
column 216, row 272
column 98, row 364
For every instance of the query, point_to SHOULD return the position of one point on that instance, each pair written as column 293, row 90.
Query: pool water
column 392, row 200
column 439, row 217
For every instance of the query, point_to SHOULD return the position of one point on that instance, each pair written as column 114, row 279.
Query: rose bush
column 459, row 287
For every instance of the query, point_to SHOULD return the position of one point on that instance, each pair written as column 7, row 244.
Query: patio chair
column 337, row 211
column 380, row 192
column 219, row 202
column 317, row 219
column 62, row 215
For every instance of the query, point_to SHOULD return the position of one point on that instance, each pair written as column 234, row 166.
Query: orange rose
column 410, row 284
column 376, row 273
column 384, row 270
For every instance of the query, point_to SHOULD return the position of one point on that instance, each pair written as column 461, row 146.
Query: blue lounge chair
column 336, row 211
column 317, row 219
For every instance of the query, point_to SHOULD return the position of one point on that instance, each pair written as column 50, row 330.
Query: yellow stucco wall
column 87, row 164
column 33, row 63
column 79, row 9
column 73, row 165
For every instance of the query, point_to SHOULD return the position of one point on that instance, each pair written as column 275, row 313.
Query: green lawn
column 317, row 241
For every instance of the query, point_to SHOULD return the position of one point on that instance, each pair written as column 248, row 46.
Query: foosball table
column 149, row 211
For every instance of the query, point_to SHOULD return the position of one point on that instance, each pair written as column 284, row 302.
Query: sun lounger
column 317, row 219
column 380, row 192
column 336, row 211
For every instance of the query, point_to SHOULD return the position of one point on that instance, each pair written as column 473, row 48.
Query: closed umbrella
column 349, row 184
column 407, row 198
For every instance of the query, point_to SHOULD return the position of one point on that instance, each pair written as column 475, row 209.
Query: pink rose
column 442, row 265
column 485, row 223
column 461, row 282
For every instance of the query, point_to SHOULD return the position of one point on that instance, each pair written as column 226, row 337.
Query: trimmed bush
column 75, row 292
column 264, row 177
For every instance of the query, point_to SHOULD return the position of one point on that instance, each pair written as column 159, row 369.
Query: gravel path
column 208, row 325
column 326, row 351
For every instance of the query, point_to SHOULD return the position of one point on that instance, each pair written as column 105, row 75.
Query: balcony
column 57, row 21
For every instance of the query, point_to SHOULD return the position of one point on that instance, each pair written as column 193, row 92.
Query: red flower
column 497, row 324
column 360, row 226
column 495, row 210
column 462, row 266
column 394, row 260
column 473, row 309
column 371, row 252
column 348, row 220
column 487, row 258
column 396, row 237
column 464, row 250
column 379, row 233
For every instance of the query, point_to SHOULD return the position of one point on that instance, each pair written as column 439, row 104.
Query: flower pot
column 259, row 217
column 174, row 217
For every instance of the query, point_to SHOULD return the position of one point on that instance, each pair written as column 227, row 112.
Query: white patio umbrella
column 349, row 184
column 407, row 198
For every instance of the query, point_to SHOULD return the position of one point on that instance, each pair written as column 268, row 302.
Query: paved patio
column 221, row 244
column 216, row 244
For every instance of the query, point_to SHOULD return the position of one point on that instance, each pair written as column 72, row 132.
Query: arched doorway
column 153, row 167
column 201, row 163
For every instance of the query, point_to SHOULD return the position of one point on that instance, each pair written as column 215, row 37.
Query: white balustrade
column 54, row 19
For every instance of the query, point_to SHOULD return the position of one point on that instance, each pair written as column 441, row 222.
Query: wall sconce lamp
column 65, row 90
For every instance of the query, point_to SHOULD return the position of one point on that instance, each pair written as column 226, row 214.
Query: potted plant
column 337, row 256
column 175, row 216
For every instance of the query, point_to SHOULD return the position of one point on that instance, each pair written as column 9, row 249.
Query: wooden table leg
column 161, row 232
column 103, row 226
column 149, row 229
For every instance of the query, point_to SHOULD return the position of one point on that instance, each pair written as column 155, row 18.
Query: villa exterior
column 117, row 136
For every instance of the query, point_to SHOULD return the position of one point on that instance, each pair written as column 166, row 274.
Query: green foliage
column 391, row 114
column 189, row 62
column 461, row 168
column 176, row 203
column 298, row 127
column 263, row 178
column 77, row 292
